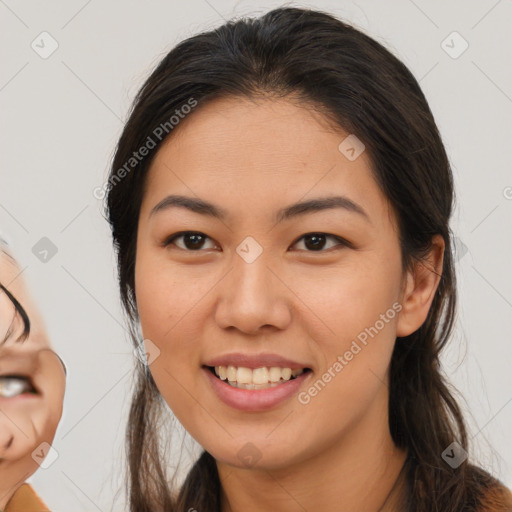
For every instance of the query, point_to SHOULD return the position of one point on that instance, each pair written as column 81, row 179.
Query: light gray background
column 60, row 119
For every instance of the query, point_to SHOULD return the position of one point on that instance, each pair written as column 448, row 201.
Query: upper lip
column 254, row 361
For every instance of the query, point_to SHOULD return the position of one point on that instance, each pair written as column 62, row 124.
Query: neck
column 9, row 483
column 359, row 471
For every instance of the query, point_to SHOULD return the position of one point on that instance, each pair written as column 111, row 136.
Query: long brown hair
column 364, row 89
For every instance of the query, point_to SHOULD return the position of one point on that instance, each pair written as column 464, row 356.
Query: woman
column 32, row 382
column 280, row 201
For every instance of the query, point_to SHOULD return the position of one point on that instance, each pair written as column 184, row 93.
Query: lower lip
column 255, row 399
column 23, row 397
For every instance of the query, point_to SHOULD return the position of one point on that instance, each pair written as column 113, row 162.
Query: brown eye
column 316, row 242
column 194, row 241
column 191, row 240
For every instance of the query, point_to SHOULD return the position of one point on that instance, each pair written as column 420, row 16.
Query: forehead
column 9, row 272
column 12, row 278
column 260, row 151
column 9, row 269
column 255, row 135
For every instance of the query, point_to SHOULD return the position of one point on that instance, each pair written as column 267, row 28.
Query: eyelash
column 342, row 242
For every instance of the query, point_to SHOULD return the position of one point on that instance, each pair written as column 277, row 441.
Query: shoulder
column 497, row 498
column 492, row 495
column 25, row 499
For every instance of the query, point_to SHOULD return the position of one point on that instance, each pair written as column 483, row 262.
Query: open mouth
column 16, row 385
column 259, row 378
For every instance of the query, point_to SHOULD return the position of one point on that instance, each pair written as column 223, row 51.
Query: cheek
column 166, row 302
column 356, row 351
column 171, row 296
column 20, row 431
column 168, row 309
column 347, row 300
column 156, row 295
column 353, row 315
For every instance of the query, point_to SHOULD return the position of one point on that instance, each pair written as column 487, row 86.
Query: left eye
column 314, row 242
column 317, row 241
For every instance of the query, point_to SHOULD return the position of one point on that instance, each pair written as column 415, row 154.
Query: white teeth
column 231, row 373
column 259, row 378
column 13, row 386
column 275, row 374
column 287, row 373
column 244, row 375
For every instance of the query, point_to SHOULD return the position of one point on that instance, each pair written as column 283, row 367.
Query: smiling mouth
column 16, row 385
column 259, row 378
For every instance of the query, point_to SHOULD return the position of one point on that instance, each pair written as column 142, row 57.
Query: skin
column 252, row 158
column 25, row 423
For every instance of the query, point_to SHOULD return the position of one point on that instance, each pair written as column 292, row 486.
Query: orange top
column 25, row 499
column 496, row 498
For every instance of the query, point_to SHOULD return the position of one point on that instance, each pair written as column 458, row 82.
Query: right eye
column 193, row 241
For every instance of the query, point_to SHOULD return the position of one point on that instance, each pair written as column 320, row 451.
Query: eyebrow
column 313, row 205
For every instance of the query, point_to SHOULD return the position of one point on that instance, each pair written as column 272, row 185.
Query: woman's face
column 249, row 290
column 32, row 382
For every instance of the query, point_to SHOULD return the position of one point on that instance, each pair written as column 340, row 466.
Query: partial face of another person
column 285, row 296
column 32, row 382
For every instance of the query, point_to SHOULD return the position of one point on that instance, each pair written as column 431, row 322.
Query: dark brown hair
column 365, row 90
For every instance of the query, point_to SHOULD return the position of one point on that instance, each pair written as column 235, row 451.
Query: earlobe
column 420, row 288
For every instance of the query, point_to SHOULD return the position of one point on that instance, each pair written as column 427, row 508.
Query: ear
column 420, row 285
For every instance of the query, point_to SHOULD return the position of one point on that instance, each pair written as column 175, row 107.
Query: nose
column 253, row 298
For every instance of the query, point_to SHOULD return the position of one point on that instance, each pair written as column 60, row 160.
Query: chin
column 257, row 454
